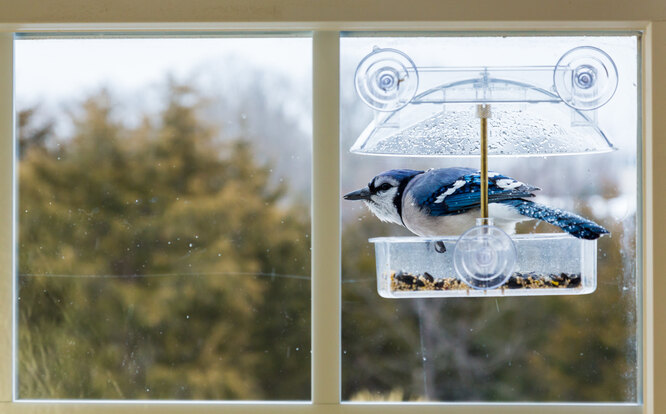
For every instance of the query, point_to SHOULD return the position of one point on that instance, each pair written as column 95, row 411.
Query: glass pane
column 163, row 225
column 579, row 348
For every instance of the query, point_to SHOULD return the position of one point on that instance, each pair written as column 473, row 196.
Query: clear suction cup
column 386, row 79
column 484, row 256
column 585, row 78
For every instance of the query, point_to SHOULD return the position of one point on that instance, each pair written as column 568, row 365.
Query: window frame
column 326, row 19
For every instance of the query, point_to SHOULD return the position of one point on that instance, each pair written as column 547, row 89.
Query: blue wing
column 448, row 191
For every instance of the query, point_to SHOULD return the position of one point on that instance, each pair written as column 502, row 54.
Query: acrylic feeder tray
column 546, row 264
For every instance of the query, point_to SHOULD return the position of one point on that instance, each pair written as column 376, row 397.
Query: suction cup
column 585, row 78
column 386, row 79
column 484, row 256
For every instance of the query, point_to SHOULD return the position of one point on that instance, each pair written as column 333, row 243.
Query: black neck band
column 397, row 200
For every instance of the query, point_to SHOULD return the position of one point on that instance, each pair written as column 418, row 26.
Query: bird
column 445, row 201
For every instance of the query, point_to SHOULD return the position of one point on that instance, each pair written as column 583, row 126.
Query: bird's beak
column 362, row 194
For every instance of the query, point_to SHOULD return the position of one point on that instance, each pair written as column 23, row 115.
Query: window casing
column 326, row 305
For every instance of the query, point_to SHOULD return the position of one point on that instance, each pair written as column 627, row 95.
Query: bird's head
column 383, row 195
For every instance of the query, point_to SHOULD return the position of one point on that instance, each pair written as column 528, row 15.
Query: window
column 235, row 15
column 164, row 231
column 518, row 349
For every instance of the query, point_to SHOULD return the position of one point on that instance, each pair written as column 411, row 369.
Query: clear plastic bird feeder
column 546, row 264
column 435, row 112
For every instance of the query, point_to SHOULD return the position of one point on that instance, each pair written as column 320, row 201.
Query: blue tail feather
column 571, row 223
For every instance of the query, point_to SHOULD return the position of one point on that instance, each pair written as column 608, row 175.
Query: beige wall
column 321, row 11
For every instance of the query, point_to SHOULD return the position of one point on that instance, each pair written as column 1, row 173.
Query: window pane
column 508, row 349
column 163, row 225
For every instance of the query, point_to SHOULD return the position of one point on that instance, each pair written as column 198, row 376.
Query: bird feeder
column 447, row 112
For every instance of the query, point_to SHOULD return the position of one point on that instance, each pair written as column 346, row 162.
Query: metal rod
column 483, row 111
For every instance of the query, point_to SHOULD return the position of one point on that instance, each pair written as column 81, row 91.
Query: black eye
column 384, row 187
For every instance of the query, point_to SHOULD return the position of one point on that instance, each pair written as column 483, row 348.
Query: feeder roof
column 442, row 121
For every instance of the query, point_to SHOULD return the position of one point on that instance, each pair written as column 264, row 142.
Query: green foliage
column 145, row 262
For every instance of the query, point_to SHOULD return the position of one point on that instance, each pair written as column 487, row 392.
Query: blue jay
column 445, row 201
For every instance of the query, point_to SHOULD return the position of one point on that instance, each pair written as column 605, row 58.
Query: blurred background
column 164, row 224
column 164, row 218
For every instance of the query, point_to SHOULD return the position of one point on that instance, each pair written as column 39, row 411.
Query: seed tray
column 546, row 264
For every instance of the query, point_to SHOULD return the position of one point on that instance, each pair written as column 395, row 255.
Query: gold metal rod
column 484, row 113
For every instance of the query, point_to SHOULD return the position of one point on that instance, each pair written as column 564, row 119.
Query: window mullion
column 6, row 211
column 325, row 219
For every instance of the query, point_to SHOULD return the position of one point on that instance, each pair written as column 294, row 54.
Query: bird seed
column 403, row 281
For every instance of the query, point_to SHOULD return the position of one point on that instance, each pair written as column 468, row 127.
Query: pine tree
column 145, row 257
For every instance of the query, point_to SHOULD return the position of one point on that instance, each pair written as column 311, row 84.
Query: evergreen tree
column 145, row 263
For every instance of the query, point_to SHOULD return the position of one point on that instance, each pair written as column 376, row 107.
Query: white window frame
column 326, row 18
